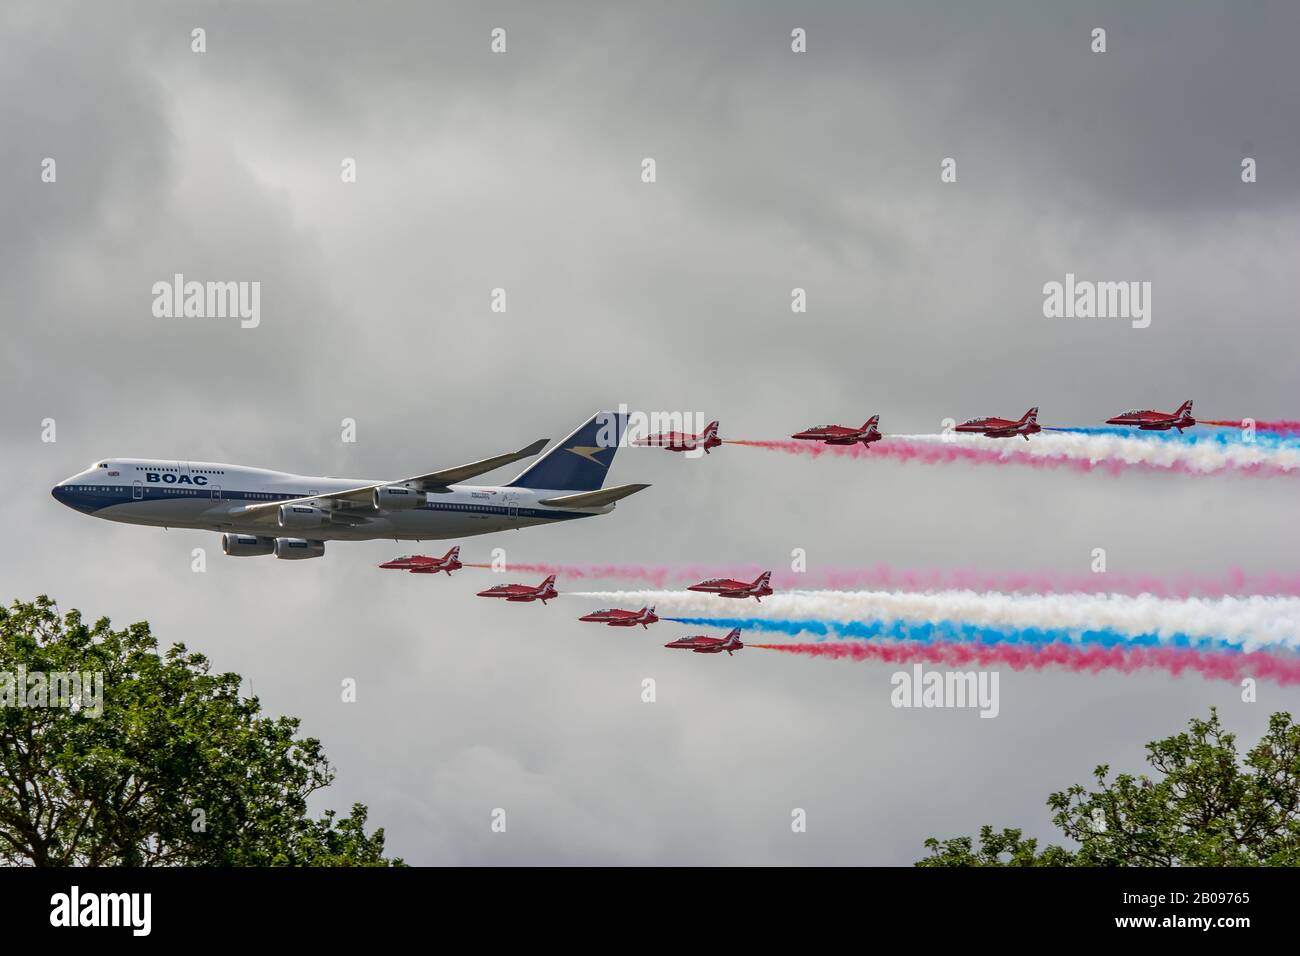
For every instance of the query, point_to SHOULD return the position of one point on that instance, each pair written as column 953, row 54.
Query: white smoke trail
column 1201, row 457
column 1251, row 622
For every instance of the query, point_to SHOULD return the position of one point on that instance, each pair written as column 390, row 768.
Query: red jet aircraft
column 683, row 441
column 727, row 587
column 709, row 645
column 1003, row 427
column 1149, row 421
column 422, row 564
column 616, row 617
column 522, row 592
column 843, row 434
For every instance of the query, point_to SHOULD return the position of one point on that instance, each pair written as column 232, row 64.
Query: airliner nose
column 64, row 495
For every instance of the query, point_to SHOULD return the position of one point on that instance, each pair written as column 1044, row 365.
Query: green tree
column 176, row 768
column 1209, row 807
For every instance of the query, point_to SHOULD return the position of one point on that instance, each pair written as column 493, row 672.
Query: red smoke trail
column 658, row 576
column 883, row 577
column 933, row 453
column 1282, row 427
column 1093, row 660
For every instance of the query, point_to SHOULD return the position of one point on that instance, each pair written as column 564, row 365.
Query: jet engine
column 246, row 545
column 302, row 516
column 397, row 498
column 295, row 549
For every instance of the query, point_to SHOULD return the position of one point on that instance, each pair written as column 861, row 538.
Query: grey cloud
column 520, row 171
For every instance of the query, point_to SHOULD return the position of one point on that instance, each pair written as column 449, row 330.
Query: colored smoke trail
column 884, row 577
column 931, row 632
column 1248, row 622
column 1229, row 667
column 1231, row 437
column 1282, row 427
column 1085, row 453
column 656, row 575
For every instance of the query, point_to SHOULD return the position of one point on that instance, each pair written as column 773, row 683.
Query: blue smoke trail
column 929, row 632
column 1206, row 436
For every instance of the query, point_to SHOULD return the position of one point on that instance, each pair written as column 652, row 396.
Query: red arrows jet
column 616, row 617
column 709, row 645
column 683, row 441
column 422, row 564
column 843, row 434
column 522, row 592
column 1149, row 421
column 727, row 587
column 1003, row 427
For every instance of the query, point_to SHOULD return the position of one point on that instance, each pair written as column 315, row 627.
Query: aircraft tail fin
column 453, row 554
column 1031, row 417
column 1184, row 409
column 579, row 462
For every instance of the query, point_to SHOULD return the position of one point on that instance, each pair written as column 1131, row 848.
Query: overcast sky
column 522, row 171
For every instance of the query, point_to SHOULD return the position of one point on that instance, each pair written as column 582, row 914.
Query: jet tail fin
column 581, row 461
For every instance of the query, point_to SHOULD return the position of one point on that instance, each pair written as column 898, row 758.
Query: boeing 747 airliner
column 292, row 516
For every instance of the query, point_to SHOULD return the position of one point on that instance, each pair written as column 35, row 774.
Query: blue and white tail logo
column 581, row 461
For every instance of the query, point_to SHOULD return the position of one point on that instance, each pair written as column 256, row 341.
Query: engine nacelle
column 397, row 498
column 302, row 516
column 246, row 545
column 296, row 549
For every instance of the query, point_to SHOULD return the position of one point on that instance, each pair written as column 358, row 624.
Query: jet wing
column 434, row 481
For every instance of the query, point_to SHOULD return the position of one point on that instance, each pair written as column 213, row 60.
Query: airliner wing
column 267, row 510
column 361, row 496
column 453, row 476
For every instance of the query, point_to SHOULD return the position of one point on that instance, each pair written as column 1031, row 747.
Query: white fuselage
column 214, row 497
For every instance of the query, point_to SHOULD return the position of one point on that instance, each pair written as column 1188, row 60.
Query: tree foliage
column 178, row 769
column 1209, row 806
